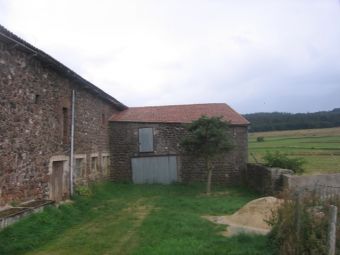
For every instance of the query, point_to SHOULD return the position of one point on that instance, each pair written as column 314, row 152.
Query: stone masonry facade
column 35, row 124
column 167, row 136
column 37, row 95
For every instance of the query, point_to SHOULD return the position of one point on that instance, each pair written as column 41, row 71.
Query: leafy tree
column 208, row 137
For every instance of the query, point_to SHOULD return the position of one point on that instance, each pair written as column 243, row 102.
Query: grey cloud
column 259, row 55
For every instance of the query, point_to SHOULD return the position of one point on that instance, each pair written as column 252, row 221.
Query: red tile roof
column 179, row 114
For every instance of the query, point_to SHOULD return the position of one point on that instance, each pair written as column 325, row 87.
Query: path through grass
column 134, row 219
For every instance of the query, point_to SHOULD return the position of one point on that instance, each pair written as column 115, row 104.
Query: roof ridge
column 179, row 113
column 149, row 106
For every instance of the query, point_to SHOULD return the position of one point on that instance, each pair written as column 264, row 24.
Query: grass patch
column 318, row 147
column 135, row 219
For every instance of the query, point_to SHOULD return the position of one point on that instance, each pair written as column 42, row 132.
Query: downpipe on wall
column 72, row 141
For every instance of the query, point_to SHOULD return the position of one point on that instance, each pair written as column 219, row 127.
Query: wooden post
column 333, row 211
column 298, row 209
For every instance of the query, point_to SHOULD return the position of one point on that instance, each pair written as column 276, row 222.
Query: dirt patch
column 215, row 194
column 251, row 218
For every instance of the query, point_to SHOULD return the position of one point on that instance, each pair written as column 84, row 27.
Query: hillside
column 291, row 121
column 318, row 147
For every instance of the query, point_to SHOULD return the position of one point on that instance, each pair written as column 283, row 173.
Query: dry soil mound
column 251, row 218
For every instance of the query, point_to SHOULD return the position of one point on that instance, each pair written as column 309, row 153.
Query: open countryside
column 319, row 147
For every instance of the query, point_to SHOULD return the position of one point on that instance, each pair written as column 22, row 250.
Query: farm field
column 135, row 219
column 319, row 147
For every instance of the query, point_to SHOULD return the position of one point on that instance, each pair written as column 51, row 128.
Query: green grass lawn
column 319, row 147
column 135, row 219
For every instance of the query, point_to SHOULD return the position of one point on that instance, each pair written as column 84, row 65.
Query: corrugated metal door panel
column 173, row 169
column 161, row 170
column 154, row 169
column 145, row 139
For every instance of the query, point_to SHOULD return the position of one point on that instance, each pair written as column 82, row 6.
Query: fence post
column 332, row 229
column 298, row 219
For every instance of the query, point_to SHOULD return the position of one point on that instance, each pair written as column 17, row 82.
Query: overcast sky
column 256, row 55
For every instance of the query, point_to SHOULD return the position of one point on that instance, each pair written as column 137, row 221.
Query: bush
column 281, row 160
column 83, row 190
column 260, row 139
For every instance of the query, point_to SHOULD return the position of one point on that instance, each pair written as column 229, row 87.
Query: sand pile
column 251, row 218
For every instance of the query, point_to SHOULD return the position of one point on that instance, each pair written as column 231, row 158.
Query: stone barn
column 48, row 114
column 145, row 145
column 58, row 130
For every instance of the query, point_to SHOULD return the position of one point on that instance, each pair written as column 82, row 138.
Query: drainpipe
column 72, row 143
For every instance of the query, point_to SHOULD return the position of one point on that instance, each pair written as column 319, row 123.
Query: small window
column 106, row 165
column 80, row 167
column 103, row 119
column 65, row 125
column 37, row 99
column 94, row 164
column 145, row 139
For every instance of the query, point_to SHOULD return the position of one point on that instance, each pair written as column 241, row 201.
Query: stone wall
column 310, row 182
column 265, row 180
column 32, row 98
column 271, row 181
column 167, row 137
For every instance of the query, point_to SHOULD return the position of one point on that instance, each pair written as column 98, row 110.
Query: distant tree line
column 288, row 121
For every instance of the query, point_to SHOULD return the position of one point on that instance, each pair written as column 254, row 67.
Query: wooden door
column 57, row 180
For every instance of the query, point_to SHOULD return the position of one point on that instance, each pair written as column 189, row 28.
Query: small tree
column 208, row 137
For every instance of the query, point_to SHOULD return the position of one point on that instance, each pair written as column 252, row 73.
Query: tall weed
column 300, row 225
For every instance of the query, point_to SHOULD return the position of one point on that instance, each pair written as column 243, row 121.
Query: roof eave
column 171, row 122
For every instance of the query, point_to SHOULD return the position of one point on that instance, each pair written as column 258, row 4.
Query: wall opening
column 58, row 182
column 94, row 165
column 106, row 165
column 37, row 99
column 103, row 120
column 80, row 168
column 65, row 125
